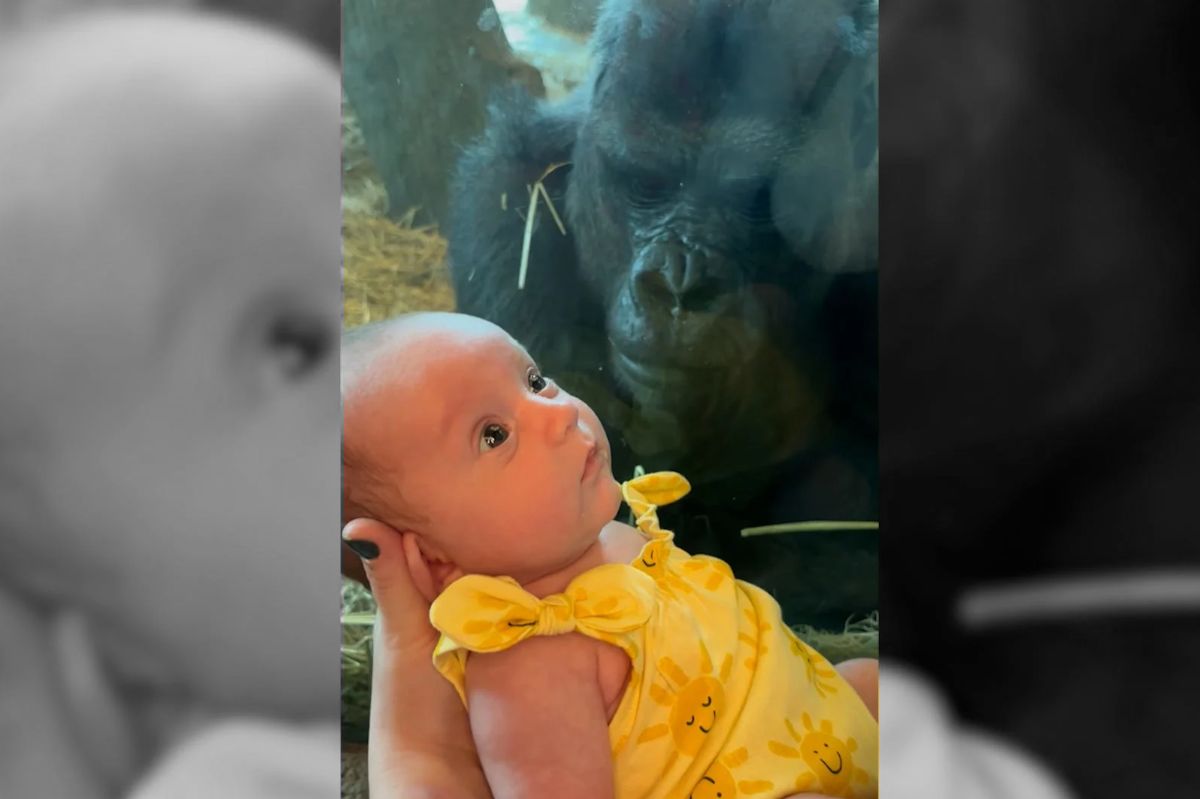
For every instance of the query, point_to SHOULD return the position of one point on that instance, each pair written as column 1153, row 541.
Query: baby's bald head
column 168, row 317
column 380, row 356
column 141, row 154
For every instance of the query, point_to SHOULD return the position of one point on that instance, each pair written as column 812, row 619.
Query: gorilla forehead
column 713, row 56
column 734, row 146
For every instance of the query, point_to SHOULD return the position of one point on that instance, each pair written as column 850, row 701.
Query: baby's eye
column 493, row 436
column 298, row 343
column 537, row 383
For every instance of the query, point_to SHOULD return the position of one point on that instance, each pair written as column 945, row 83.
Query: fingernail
column 367, row 550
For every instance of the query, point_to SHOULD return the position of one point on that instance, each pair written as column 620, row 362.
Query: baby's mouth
column 591, row 464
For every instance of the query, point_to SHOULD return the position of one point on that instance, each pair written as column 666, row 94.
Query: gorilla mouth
column 655, row 375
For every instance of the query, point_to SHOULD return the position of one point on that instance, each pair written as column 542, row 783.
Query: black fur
column 714, row 298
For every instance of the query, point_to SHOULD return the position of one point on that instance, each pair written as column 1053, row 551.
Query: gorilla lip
column 650, row 376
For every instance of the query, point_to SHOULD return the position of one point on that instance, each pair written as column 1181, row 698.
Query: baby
column 595, row 659
column 168, row 324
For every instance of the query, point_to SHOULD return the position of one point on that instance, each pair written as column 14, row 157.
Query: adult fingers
column 403, row 606
column 39, row 752
column 381, row 548
column 863, row 676
column 931, row 755
column 245, row 757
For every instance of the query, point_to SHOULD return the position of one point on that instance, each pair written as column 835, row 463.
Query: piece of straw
column 808, row 527
column 536, row 190
column 533, row 203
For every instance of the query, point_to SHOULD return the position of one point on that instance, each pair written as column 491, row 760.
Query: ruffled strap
column 646, row 494
column 488, row 614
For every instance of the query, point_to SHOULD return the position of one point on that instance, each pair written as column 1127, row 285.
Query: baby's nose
column 561, row 417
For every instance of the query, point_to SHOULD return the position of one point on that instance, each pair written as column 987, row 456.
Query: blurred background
column 1040, row 405
column 169, row 416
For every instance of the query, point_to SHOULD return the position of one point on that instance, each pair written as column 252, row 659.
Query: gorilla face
column 715, row 187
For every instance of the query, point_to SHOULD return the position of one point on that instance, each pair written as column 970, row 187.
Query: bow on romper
column 723, row 700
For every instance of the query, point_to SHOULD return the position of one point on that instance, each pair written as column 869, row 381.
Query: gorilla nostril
column 656, row 292
column 671, row 277
column 703, row 295
column 653, row 289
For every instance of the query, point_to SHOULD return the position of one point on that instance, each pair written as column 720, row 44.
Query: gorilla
column 712, row 289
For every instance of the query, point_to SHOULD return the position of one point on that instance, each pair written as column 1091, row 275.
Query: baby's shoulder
column 620, row 542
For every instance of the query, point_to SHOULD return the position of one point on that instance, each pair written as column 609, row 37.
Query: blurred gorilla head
column 724, row 170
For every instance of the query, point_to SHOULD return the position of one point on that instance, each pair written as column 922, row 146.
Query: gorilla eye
column 643, row 188
column 646, row 190
column 537, row 383
column 753, row 200
column 760, row 204
column 297, row 343
column 493, row 436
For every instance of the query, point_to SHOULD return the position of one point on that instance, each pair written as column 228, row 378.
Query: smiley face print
column 718, row 782
column 829, row 758
column 696, row 703
column 695, row 712
column 821, row 675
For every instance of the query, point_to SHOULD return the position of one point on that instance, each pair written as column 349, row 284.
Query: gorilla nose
column 672, row 276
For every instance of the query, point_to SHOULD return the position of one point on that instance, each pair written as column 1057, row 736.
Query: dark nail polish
column 367, row 550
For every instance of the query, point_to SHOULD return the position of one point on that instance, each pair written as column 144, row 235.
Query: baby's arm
column 539, row 718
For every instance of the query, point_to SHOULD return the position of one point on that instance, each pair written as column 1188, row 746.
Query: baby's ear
column 431, row 571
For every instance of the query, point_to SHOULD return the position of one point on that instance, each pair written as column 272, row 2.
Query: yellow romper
column 723, row 700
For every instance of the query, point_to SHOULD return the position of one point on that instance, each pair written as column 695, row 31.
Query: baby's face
column 169, row 337
column 503, row 470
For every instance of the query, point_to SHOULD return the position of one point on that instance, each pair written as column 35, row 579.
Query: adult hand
column 932, row 755
column 419, row 741
column 40, row 753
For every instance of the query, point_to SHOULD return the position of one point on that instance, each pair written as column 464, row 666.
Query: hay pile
column 358, row 613
column 389, row 266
